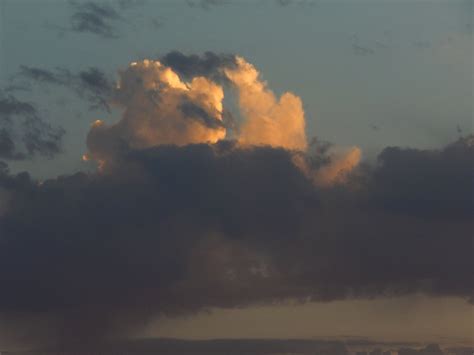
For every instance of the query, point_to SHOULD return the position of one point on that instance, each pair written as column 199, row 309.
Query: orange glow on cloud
column 268, row 120
column 339, row 167
column 153, row 97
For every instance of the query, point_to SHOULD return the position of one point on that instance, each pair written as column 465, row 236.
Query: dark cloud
column 209, row 64
column 428, row 183
column 161, row 210
column 96, row 18
column 24, row 133
column 225, row 346
column 101, row 18
column 92, row 84
column 206, row 4
column 460, row 350
column 42, row 75
column 369, row 47
column 284, row 3
column 194, row 111
column 172, row 229
column 361, row 50
column 431, row 349
column 130, row 4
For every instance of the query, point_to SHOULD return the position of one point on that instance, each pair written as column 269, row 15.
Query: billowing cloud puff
column 267, row 120
column 329, row 165
column 178, row 99
column 160, row 108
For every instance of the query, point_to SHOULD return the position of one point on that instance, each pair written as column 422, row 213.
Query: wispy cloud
column 23, row 132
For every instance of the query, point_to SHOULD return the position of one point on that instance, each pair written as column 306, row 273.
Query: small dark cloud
column 284, row 3
column 23, row 133
column 95, row 18
column 381, row 45
column 361, row 50
column 197, row 112
column 101, row 18
column 130, row 4
column 156, row 22
column 422, row 44
column 41, row 75
column 206, row 4
column 364, row 48
column 209, row 64
column 92, row 84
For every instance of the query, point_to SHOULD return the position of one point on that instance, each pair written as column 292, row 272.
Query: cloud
column 180, row 217
column 209, row 64
column 161, row 108
column 227, row 346
column 431, row 349
column 173, row 229
column 267, row 119
column 206, row 4
column 95, row 18
column 425, row 179
column 91, row 84
column 360, row 50
column 284, row 3
column 23, row 133
column 101, row 19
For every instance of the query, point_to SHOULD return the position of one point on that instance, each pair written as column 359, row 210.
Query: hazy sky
column 370, row 74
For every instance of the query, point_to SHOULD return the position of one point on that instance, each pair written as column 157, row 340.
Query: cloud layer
column 182, row 217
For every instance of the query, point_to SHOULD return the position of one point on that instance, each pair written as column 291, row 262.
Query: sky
column 207, row 164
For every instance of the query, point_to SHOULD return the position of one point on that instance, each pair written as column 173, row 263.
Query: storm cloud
column 171, row 229
column 181, row 217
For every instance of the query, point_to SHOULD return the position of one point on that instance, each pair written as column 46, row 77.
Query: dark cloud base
column 172, row 230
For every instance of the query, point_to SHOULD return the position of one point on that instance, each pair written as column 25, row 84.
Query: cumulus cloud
column 160, row 108
column 182, row 217
column 268, row 120
column 328, row 165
